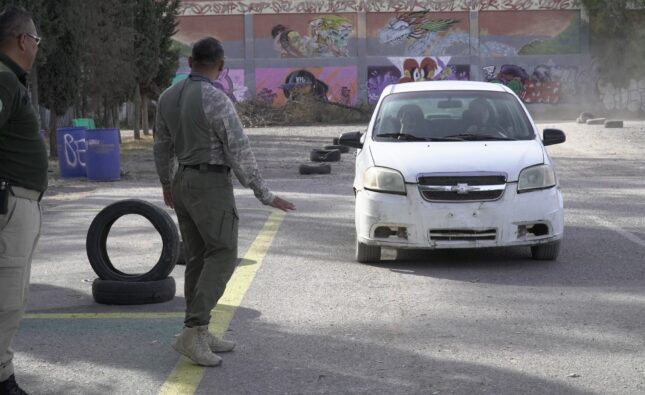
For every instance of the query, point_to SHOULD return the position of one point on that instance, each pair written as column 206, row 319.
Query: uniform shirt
column 198, row 124
column 23, row 155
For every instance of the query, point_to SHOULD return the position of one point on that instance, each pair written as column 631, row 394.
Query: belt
column 25, row 193
column 205, row 167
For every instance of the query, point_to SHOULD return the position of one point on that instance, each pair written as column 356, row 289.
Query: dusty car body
column 451, row 176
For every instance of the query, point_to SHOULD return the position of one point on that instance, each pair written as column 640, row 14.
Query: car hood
column 413, row 158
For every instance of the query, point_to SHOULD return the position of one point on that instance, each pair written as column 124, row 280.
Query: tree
column 155, row 59
column 146, row 59
column 107, row 75
column 616, row 38
column 58, row 77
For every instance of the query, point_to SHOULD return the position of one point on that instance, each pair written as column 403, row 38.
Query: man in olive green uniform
column 23, row 179
column 198, row 124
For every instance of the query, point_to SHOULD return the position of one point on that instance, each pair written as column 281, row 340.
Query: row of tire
column 590, row 119
column 113, row 286
column 329, row 153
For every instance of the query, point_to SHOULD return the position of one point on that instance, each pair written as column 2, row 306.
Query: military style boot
column 193, row 344
column 10, row 387
column 220, row 345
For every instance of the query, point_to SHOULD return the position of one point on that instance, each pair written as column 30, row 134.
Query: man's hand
column 282, row 204
column 167, row 198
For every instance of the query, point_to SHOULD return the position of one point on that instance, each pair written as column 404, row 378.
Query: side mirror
column 553, row 136
column 351, row 139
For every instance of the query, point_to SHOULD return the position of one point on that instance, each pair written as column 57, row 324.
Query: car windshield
column 452, row 116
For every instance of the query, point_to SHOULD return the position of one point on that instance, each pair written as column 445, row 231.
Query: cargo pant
column 208, row 222
column 19, row 233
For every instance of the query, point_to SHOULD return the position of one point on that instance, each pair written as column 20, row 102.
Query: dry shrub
column 302, row 111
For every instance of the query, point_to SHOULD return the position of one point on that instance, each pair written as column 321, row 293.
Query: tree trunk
column 137, row 113
column 144, row 115
column 53, row 149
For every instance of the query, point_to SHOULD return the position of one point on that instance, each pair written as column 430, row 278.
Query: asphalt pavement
column 308, row 319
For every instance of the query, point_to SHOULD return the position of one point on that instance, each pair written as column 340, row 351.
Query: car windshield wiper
column 402, row 136
column 478, row 137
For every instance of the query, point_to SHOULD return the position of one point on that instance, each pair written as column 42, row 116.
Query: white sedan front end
column 455, row 165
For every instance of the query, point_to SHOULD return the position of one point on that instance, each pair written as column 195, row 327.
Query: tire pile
column 329, row 153
column 116, row 287
column 589, row 119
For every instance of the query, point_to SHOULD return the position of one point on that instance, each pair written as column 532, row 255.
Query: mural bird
column 435, row 36
column 413, row 25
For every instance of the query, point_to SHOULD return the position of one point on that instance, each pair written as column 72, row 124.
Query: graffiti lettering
column 225, row 7
column 631, row 98
column 74, row 151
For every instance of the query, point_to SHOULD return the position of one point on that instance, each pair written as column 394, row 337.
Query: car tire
column 614, row 124
column 133, row 293
column 367, row 253
column 546, row 252
column 342, row 148
column 99, row 230
column 322, row 168
column 323, row 155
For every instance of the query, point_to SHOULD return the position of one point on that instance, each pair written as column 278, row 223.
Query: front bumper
column 524, row 219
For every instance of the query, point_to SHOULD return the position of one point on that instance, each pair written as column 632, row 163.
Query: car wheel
column 546, row 252
column 367, row 253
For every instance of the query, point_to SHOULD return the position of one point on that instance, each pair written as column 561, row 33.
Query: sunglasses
column 36, row 38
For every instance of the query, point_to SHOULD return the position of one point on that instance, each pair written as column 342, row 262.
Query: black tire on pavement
column 320, row 168
column 546, row 252
column 100, row 228
column 181, row 259
column 131, row 293
column 367, row 253
column 613, row 124
column 323, row 155
column 342, row 148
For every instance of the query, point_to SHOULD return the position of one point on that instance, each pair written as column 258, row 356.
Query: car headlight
column 536, row 177
column 381, row 179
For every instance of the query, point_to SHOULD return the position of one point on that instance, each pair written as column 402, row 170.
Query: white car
column 454, row 164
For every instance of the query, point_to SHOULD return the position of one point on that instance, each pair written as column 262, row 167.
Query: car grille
column 462, row 234
column 442, row 187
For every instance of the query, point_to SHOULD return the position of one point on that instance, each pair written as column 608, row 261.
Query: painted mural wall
column 348, row 51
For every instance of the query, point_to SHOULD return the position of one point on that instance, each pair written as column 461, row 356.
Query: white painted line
column 628, row 235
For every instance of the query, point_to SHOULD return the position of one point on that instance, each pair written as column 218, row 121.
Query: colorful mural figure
column 327, row 36
column 303, row 83
column 329, row 84
column 230, row 81
column 435, row 36
column 405, row 70
column 539, row 87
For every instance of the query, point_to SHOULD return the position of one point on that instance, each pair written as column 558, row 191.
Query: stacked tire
column 321, row 157
column 116, row 287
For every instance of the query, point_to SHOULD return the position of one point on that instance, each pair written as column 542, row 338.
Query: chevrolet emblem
column 461, row 189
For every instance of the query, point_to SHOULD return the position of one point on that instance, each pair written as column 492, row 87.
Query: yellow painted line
column 145, row 315
column 186, row 376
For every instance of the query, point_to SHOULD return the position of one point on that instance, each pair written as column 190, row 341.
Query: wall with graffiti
column 402, row 69
column 418, row 33
column 529, row 33
column 329, row 84
column 305, row 36
column 348, row 51
column 545, row 83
